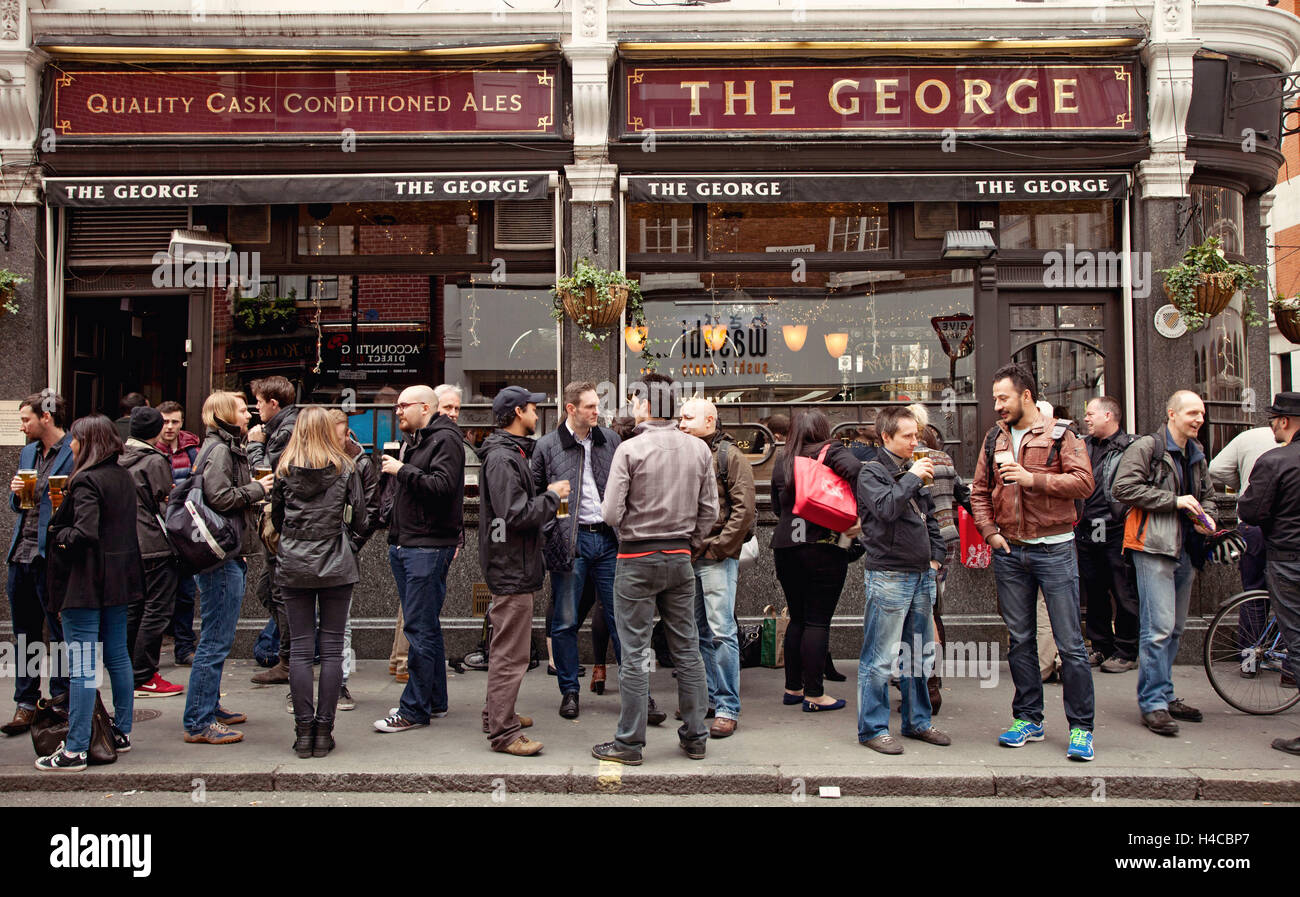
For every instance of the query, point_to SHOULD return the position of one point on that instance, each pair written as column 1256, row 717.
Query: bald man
column 1165, row 479
column 717, row 564
column 428, row 496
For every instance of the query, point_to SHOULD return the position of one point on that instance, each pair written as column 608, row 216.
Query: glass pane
column 660, row 228
column 1068, row 375
column 1085, row 224
column 1031, row 316
column 507, row 335
column 798, row 227
column 1221, row 215
column 1221, row 375
column 1022, row 338
column 398, row 228
column 1078, row 316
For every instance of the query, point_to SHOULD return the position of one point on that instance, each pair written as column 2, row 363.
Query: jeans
column 1284, row 582
column 597, row 557
column 1165, row 590
column 301, row 604
column 1020, row 574
column 1105, row 571
column 182, row 628
column 27, row 611
column 268, row 593
column 83, row 627
column 812, row 577
column 148, row 617
column 421, row 575
column 897, row 617
column 221, row 594
column 641, row 585
column 715, row 618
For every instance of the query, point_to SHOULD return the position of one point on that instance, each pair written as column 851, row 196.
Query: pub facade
column 823, row 209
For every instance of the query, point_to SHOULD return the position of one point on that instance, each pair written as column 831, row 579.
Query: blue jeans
column 1020, row 574
column 221, row 594
column 27, row 612
column 421, row 575
column 597, row 557
column 1164, row 592
column 897, row 617
column 83, row 627
column 715, row 618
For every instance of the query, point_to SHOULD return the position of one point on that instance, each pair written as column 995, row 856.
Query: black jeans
column 182, row 625
column 148, row 618
column 28, row 613
column 270, row 595
column 812, row 577
column 1104, row 570
column 301, row 606
column 1284, row 585
column 599, row 628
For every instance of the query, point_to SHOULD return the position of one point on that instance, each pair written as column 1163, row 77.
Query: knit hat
column 146, row 423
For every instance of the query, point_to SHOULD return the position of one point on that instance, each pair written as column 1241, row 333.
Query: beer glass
column 1000, row 458
column 264, row 471
column 57, row 485
column 917, row 454
column 563, row 509
column 27, row 495
column 392, row 449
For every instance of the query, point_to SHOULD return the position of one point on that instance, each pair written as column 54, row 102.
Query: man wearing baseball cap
column 1272, row 502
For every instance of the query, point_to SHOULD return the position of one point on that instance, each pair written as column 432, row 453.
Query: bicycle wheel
column 1244, row 656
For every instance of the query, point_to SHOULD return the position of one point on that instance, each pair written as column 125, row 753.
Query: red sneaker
column 158, row 687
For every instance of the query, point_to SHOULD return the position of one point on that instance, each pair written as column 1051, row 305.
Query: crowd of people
column 647, row 518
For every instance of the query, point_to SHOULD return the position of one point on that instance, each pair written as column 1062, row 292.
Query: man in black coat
column 511, row 515
column 1272, row 502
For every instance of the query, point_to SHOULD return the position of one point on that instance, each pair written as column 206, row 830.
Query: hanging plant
column 9, row 281
column 1286, row 315
column 1204, row 282
column 595, row 298
column 265, row 313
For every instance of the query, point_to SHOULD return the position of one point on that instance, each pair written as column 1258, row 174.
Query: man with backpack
column 1164, row 478
column 1027, row 480
column 1103, row 569
column 717, row 564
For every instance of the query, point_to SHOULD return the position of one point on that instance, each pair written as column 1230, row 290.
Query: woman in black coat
column 95, row 572
column 810, row 565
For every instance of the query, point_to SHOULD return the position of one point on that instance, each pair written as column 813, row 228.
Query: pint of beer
column 563, row 510
column 57, row 485
column 917, row 454
column 27, row 495
column 1000, row 458
column 259, row 472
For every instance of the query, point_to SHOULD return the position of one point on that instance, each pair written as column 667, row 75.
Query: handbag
column 50, row 729
column 203, row 538
column 748, row 553
column 975, row 552
column 821, row 496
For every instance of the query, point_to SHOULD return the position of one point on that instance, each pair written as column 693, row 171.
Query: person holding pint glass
column 47, row 454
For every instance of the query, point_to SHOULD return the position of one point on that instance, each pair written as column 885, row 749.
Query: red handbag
column 975, row 552
column 822, row 496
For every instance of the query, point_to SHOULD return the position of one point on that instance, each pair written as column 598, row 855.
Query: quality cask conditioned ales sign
column 890, row 97
column 432, row 102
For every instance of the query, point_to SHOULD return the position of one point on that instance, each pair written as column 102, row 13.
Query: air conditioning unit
column 524, row 224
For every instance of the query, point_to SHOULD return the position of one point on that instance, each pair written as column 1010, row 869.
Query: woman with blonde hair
column 230, row 490
column 318, row 506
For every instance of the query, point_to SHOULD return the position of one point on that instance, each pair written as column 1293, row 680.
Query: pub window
column 661, row 228
column 859, row 233
column 764, row 228
column 500, row 334
column 397, row 228
column 1219, row 213
column 1085, row 224
column 1221, row 374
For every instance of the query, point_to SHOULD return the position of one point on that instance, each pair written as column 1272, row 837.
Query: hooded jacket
column 278, row 430
column 559, row 456
column 428, row 496
column 319, row 512
column 152, row 474
column 511, row 515
column 228, row 485
column 1154, row 524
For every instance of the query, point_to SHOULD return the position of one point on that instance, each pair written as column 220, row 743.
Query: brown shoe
column 930, row 736
column 722, row 727
column 276, row 675
column 524, row 722
column 392, row 668
column 401, row 677
column 523, row 746
column 885, row 744
column 936, row 696
column 21, row 722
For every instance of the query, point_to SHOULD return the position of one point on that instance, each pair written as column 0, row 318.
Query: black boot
column 303, row 744
column 323, row 742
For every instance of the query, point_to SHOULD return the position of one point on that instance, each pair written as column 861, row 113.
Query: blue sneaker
column 1080, row 745
column 1021, row 730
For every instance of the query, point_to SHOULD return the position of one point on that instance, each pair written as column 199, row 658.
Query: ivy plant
column 9, row 281
column 585, row 275
column 1182, row 280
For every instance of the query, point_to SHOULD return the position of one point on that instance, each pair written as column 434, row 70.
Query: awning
column 239, row 190
column 776, row 187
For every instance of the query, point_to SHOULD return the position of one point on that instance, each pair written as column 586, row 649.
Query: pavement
column 777, row 750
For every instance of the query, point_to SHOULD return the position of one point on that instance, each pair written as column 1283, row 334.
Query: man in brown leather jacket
column 1024, row 497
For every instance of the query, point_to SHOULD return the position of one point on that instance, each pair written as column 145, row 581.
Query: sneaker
column 288, row 703
column 692, row 749
column 1080, row 745
column 437, row 714
column 215, row 733
column 1021, row 730
column 121, row 741
column 61, row 761
column 185, row 660
column 395, row 722
column 1118, row 664
column 346, row 701
column 158, row 687
column 610, row 751
column 1095, row 658
column 230, row 717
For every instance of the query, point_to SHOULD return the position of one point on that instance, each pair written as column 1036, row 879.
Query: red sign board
column 262, row 101
column 838, row 99
column 956, row 334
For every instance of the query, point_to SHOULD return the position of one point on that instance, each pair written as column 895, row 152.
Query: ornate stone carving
column 10, row 18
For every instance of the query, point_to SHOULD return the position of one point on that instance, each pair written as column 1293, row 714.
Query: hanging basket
column 1212, row 294
column 594, row 311
column 1288, row 323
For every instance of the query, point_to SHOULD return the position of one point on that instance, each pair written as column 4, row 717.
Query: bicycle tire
column 1261, row 695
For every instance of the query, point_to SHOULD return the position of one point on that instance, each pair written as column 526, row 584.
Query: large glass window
column 1219, row 214
column 661, row 229
column 397, row 228
column 1219, row 369
column 1085, row 224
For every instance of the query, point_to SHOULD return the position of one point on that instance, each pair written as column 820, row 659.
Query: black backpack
column 203, row 539
column 1058, row 437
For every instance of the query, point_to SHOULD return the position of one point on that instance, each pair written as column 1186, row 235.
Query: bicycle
column 1245, row 656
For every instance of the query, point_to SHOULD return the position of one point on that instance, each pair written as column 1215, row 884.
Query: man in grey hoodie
column 662, row 498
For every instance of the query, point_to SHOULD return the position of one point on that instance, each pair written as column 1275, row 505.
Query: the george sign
column 208, row 104
column 1037, row 186
column 891, row 97
column 238, row 190
column 956, row 334
column 377, row 353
